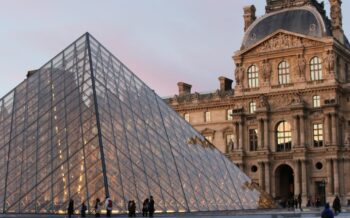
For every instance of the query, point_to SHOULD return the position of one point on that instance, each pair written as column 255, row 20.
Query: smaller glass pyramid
column 84, row 127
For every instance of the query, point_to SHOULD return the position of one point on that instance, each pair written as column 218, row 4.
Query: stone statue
column 297, row 98
column 266, row 70
column 329, row 62
column 239, row 74
column 336, row 14
column 230, row 146
column 301, row 65
column 263, row 102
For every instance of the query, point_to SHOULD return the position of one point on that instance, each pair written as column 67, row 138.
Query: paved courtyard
column 307, row 213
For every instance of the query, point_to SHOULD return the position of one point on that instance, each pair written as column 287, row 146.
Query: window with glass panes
column 187, row 117
column 229, row 113
column 284, row 136
column 316, row 101
column 253, row 76
column 318, row 134
column 253, row 139
column 207, row 117
column 209, row 138
column 316, row 68
column 283, row 73
column 252, row 107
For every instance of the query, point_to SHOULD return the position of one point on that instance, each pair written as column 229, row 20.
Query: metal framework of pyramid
column 84, row 126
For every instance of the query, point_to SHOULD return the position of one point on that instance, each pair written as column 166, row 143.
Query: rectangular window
column 229, row 113
column 209, row 138
column 187, row 117
column 252, row 107
column 207, row 116
column 318, row 134
column 253, row 139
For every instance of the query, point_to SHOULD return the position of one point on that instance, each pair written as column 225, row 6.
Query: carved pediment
column 282, row 40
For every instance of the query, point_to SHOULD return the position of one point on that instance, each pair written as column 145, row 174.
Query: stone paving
column 307, row 213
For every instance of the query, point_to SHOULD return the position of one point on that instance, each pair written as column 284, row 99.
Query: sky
column 161, row 41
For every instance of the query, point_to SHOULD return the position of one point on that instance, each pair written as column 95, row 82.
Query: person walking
column 132, row 208
column 98, row 208
column 299, row 201
column 336, row 205
column 108, row 205
column 70, row 208
column 145, row 207
column 151, row 206
column 83, row 210
column 327, row 212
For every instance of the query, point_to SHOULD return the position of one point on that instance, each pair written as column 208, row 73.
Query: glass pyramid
column 84, row 126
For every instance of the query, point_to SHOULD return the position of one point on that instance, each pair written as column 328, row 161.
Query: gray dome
column 304, row 20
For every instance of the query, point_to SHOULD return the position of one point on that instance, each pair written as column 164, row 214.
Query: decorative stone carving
column 301, row 65
column 266, row 70
column 230, row 146
column 239, row 74
column 336, row 14
column 329, row 62
column 283, row 41
column 263, row 102
column 297, row 99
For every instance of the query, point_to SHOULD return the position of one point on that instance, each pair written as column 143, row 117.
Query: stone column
column 260, row 134
column 329, row 188
column 296, row 178
column 302, row 130
column 295, row 134
column 267, row 177
column 261, row 175
column 304, row 179
column 327, row 129
column 334, row 129
column 241, row 137
column 236, row 136
column 336, row 176
column 266, row 133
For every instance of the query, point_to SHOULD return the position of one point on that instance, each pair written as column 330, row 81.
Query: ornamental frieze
column 283, row 41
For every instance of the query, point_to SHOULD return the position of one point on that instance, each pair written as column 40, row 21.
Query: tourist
column 151, row 206
column 336, row 205
column 108, row 205
column 327, row 212
column 83, row 210
column 145, row 207
column 98, row 205
column 299, row 200
column 132, row 208
column 70, row 208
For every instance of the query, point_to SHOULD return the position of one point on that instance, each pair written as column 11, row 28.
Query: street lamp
column 324, row 186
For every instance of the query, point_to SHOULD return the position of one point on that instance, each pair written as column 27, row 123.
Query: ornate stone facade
column 287, row 121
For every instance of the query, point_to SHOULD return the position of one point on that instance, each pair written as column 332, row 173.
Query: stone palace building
column 286, row 123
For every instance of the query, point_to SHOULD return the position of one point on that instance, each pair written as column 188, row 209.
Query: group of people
column 294, row 202
column 328, row 213
column 147, row 207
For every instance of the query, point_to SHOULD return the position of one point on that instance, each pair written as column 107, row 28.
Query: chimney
column 31, row 73
column 249, row 16
column 184, row 88
column 337, row 20
column 225, row 84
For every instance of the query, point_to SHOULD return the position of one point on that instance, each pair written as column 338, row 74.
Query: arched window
column 283, row 73
column 253, row 76
column 284, row 136
column 316, row 101
column 316, row 68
